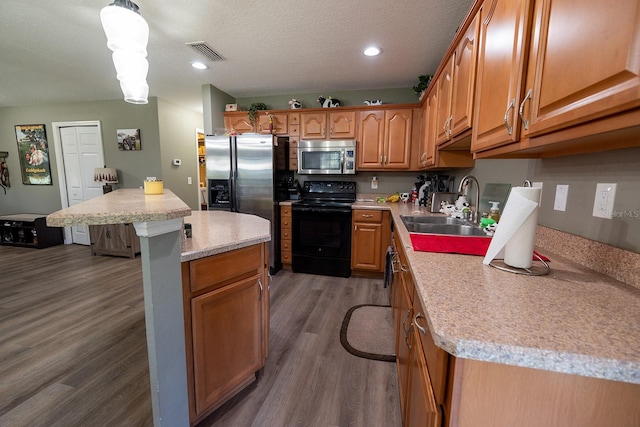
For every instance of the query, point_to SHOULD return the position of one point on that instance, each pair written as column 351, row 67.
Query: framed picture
column 129, row 140
column 33, row 151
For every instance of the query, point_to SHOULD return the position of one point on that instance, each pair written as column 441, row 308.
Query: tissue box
column 153, row 187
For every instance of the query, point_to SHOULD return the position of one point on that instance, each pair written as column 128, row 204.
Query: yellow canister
column 153, row 187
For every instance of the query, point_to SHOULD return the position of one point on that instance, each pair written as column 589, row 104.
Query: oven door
column 321, row 241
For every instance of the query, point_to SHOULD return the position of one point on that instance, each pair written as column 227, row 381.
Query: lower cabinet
column 370, row 235
column 417, row 399
column 226, row 305
column 114, row 239
column 438, row 389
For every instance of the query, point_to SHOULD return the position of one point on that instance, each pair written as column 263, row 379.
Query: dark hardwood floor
column 73, row 349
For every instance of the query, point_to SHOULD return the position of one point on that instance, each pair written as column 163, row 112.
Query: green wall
column 352, row 98
column 177, row 132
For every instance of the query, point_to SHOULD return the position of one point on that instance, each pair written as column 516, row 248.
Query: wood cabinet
column 444, row 87
column 328, row 125
column 384, row 139
column 464, row 80
column 238, row 121
column 226, row 306
column 566, row 86
column 370, row 237
column 577, row 91
column 285, row 236
column 114, row 239
column 273, row 123
column 418, row 398
column 438, row 389
column 28, row 230
column 503, row 40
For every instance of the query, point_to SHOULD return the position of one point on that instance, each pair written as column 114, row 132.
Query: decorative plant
column 253, row 111
column 423, row 83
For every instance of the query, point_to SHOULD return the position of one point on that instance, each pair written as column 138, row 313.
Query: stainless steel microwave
column 327, row 157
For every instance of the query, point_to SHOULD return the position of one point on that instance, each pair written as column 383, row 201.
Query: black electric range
column 321, row 228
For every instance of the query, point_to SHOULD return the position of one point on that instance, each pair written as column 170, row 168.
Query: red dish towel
column 468, row 245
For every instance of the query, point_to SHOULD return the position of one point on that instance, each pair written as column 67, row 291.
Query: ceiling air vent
column 206, row 50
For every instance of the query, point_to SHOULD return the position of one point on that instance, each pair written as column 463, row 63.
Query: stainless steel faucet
column 475, row 217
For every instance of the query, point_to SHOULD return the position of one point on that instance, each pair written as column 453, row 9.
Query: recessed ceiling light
column 372, row 51
column 199, row 66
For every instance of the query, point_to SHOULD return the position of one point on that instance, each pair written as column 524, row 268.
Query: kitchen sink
column 422, row 219
column 441, row 225
column 445, row 234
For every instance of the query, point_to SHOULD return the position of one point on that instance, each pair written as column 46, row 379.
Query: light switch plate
column 603, row 202
column 562, row 192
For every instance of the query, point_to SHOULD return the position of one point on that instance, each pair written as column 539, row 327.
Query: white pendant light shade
column 127, row 36
column 135, row 92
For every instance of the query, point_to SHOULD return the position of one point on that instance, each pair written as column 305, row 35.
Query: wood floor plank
column 73, row 349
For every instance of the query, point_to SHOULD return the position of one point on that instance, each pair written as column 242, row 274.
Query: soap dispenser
column 494, row 212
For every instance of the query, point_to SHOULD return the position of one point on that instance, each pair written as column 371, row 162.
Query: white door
column 81, row 154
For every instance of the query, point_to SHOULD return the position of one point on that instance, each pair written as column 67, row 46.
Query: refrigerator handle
column 233, row 174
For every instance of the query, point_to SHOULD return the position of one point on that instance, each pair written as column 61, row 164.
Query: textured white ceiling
column 55, row 51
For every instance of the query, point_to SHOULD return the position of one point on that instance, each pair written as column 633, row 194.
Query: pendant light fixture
column 127, row 36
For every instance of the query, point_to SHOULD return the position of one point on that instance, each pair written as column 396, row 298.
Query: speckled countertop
column 214, row 232
column 574, row 320
column 121, row 206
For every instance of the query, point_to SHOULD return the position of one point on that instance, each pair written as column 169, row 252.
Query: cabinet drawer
column 294, row 130
column 294, row 142
column 286, row 233
column 368, row 215
column 286, row 257
column 216, row 270
column 293, row 164
column 294, row 118
column 285, row 222
column 293, row 153
column 285, row 211
column 285, row 244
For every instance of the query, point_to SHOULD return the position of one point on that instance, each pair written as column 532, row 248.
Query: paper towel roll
column 518, row 251
column 517, row 228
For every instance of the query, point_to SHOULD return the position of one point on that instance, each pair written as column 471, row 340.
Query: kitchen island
column 158, row 220
column 574, row 326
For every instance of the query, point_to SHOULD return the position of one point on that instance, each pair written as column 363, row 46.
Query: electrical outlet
column 374, row 183
column 189, row 180
column 562, row 192
column 603, row 202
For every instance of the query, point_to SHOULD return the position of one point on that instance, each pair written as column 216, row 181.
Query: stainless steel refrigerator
column 250, row 174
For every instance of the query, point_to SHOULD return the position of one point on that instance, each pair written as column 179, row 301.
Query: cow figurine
column 328, row 102
column 376, row 102
column 294, row 104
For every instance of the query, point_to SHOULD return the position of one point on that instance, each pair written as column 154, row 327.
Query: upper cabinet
column 384, row 139
column 238, row 121
column 274, row 123
column 584, row 63
column 329, row 125
column 464, row 80
column 581, row 78
column 503, row 40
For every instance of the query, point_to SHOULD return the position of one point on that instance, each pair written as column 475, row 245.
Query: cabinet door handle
column 415, row 322
column 385, row 160
column 506, row 116
column 261, row 288
column 270, row 281
column 449, row 126
column 525, row 122
column 367, row 216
